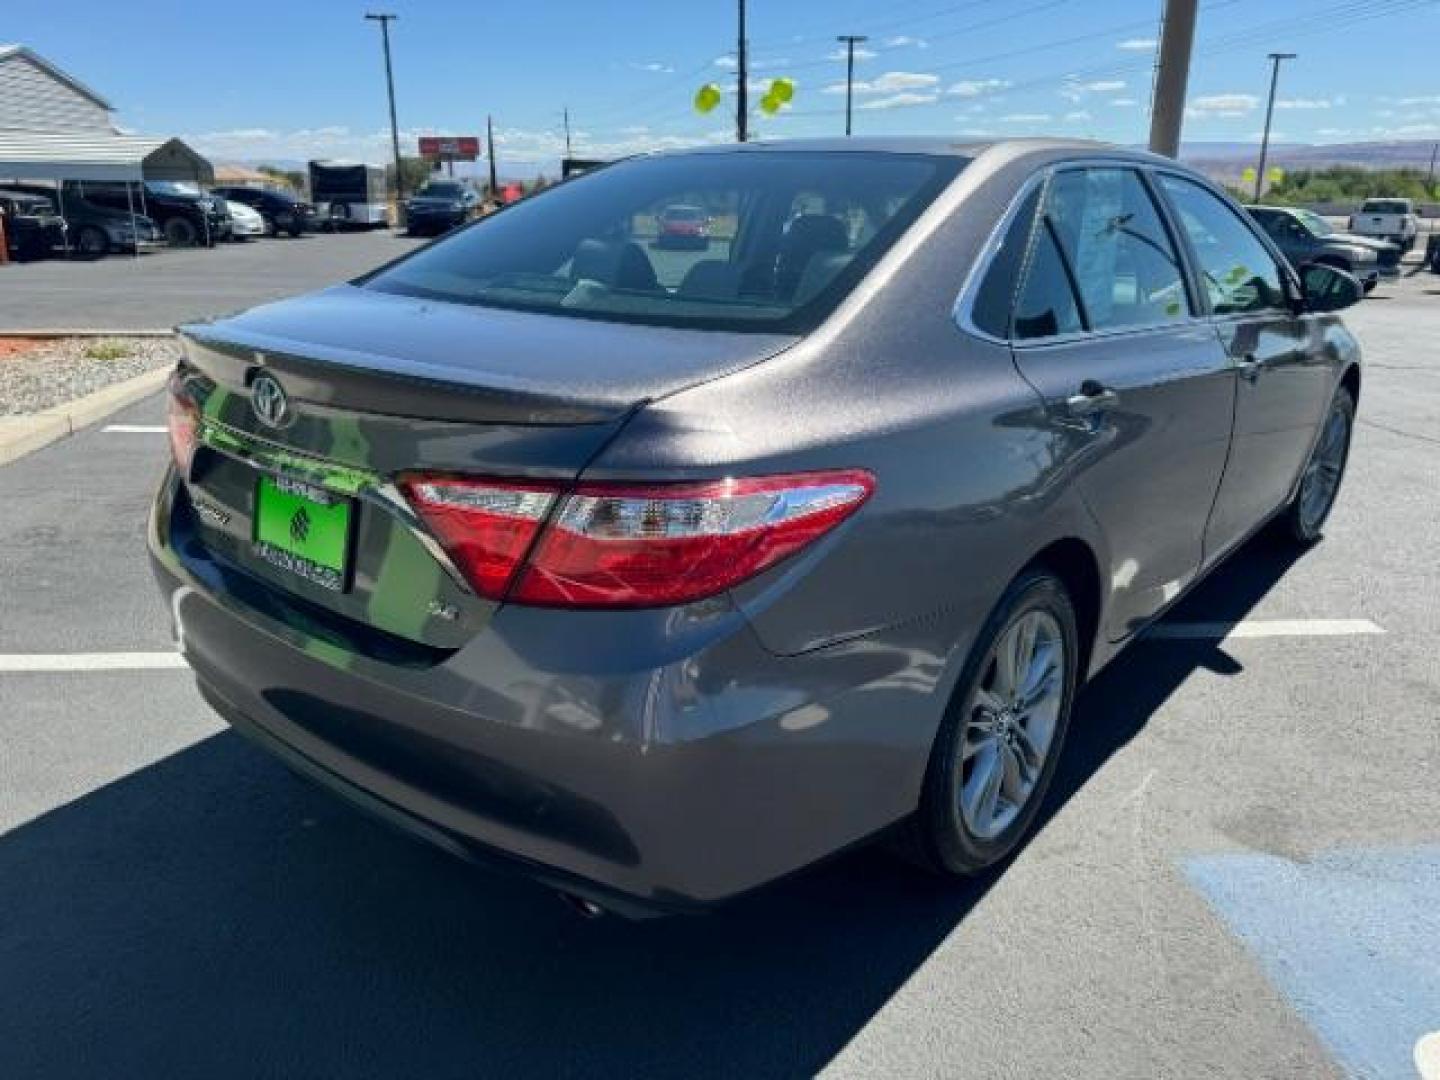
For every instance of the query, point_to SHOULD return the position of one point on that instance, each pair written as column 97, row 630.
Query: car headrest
column 616, row 264
column 807, row 236
column 711, row 279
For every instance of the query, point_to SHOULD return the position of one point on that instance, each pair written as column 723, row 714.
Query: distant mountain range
column 1222, row 160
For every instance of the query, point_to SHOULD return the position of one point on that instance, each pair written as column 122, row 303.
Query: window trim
column 963, row 310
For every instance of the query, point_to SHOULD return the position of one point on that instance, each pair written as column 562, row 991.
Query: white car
column 245, row 221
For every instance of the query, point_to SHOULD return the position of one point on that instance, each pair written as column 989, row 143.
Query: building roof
column 7, row 51
column 96, row 156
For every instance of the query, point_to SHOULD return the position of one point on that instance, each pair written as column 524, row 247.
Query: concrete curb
column 21, row 435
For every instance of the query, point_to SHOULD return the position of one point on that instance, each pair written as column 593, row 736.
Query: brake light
column 487, row 526
column 183, row 421
column 630, row 545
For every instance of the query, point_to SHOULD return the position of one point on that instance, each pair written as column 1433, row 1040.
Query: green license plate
column 303, row 529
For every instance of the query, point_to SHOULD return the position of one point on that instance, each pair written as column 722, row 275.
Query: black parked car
column 1306, row 237
column 1432, row 253
column 282, row 211
column 93, row 230
column 440, row 206
column 185, row 214
column 33, row 230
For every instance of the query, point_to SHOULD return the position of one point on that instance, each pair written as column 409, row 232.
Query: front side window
column 1124, row 264
column 1239, row 274
column 777, row 240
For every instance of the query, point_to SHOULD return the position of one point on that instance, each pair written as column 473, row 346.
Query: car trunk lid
column 376, row 387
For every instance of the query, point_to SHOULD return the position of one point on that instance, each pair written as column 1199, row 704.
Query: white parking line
column 103, row 661
column 134, row 429
column 1263, row 628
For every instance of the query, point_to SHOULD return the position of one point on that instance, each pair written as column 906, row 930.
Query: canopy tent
column 47, row 155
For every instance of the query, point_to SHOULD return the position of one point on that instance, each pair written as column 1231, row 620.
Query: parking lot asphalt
column 159, row 290
column 1237, row 875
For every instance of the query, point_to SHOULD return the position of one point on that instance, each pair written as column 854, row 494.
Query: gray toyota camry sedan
column 658, row 574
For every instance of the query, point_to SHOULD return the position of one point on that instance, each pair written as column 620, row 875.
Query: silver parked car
column 660, row 574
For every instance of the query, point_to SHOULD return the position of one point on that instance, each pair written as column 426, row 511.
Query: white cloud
column 976, row 133
column 1075, row 90
column 1078, row 116
column 1136, row 44
column 900, row 41
column 1303, row 103
column 892, row 82
column 1224, row 106
column 861, row 53
column 900, row 101
column 1025, row 118
column 1124, row 102
column 976, row 87
column 727, row 61
column 1428, row 99
column 655, row 66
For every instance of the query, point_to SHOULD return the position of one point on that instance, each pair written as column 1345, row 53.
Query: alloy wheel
column 1011, row 724
column 1322, row 474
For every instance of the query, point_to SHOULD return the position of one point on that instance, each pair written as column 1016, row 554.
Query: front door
column 1131, row 371
column 1284, row 373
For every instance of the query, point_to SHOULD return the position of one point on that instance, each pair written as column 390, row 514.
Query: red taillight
column 487, row 526
column 183, row 420
column 630, row 545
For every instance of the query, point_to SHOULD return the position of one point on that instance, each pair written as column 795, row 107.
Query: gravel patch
column 54, row 372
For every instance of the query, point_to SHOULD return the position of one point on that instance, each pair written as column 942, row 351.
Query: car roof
column 931, row 145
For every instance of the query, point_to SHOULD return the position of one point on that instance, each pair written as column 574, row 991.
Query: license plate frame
column 304, row 530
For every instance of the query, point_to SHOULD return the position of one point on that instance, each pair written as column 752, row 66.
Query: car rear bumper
column 650, row 760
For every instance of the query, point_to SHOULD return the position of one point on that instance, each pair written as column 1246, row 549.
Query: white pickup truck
column 1387, row 219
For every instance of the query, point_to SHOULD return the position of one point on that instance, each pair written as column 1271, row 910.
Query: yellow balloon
column 770, row 104
column 1275, row 175
column 707, row 97
column 782, row 90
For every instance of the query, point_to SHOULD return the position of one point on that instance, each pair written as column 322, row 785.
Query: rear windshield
column 790, row 233
column 445, row 191
column 1385, row 206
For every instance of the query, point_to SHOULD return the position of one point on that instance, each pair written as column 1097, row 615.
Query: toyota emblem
column 269, row 402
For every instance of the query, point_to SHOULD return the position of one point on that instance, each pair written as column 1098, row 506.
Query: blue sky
column 302, row 79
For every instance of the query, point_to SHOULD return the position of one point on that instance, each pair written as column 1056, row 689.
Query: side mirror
column 1327, row 289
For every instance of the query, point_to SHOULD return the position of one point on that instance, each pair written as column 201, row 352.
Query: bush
column 107, row 350
column 1350, row 183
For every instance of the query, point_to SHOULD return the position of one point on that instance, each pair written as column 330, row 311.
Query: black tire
column 296, row 229
column 1303, row 519
column 938, row 837
column 91, row 242
column 180, row 232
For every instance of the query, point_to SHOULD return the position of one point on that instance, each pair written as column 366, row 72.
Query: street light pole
column 1275, row 59
column 385, row 20
column 849, row 41
column 742, row 71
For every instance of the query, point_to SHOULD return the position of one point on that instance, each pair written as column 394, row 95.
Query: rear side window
column 1046, row 306
column 1238, row 272
column 996, row 296
column 1125, row 266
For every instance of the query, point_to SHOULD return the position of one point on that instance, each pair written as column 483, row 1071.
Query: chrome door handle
column 1249, row 367
column 1092, row 398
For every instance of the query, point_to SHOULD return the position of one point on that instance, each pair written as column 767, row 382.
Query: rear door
column 1284, row 373
column 1106, row 330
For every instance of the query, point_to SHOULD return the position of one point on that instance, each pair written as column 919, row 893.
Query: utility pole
column 1275, row 59
column 849, row 41
column 1434, row 154
column 742, row 73
column 1167, row 109
column 385, row 21
column 566, row 113
column 490, row 149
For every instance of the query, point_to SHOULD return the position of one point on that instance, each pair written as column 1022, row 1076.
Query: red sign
column 450, row 147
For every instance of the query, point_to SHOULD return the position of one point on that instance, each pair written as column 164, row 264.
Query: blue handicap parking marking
column 1352, row 938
